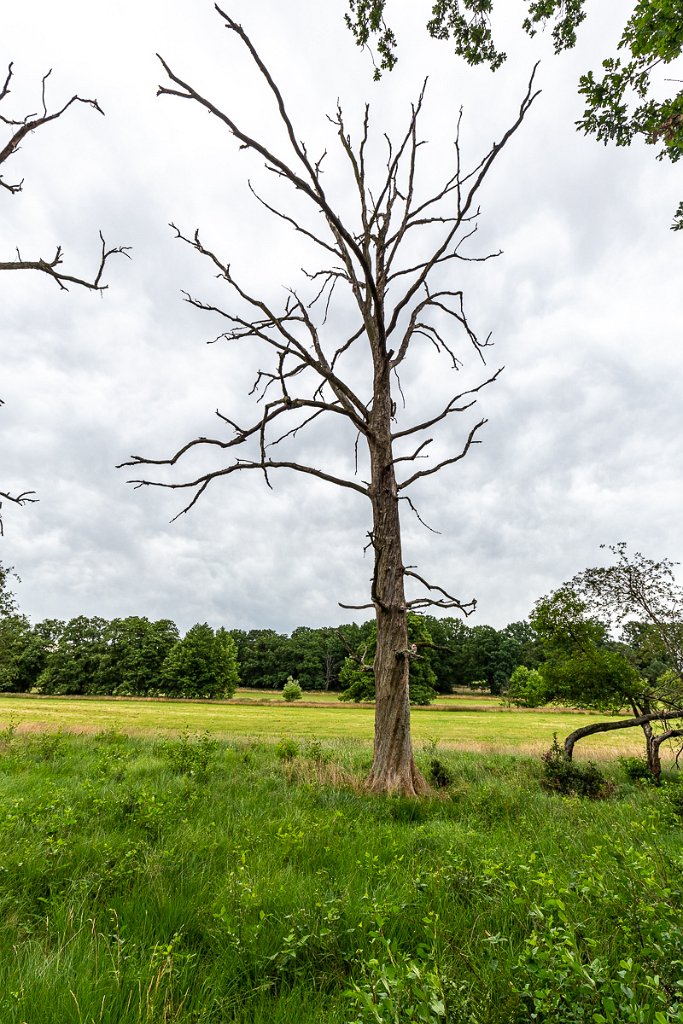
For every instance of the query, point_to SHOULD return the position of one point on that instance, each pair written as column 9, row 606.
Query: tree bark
column 393, row 768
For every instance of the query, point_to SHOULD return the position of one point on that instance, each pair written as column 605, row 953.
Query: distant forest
column 138, row 657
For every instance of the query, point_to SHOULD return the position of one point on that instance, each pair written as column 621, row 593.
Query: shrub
column 636, row 769
column 291, row 690
column 316, row 752
column 190, row 755
column 560, row 775
column 287, row 749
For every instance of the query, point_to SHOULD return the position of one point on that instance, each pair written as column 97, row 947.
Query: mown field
column 458, row 723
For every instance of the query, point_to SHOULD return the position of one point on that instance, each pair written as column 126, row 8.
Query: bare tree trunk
column 393, row 769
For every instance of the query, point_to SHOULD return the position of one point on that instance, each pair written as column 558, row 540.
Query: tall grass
column 193, row 881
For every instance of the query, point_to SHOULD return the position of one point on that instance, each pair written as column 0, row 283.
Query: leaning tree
column 643, row 591
column 638, row 600
column 399, row 299
column 17, row 131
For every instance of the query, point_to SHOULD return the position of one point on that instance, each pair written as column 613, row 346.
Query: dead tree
column 396, row 304
column 18, row 130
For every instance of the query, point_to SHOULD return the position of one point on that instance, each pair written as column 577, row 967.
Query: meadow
column 456, row 723
column 195, row 873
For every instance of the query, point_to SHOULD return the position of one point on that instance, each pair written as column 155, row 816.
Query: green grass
column 496, row 730
column 189, row 880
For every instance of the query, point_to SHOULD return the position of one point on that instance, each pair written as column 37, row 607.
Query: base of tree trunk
column 404, row 781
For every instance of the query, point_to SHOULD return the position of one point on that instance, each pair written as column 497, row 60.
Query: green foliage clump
column 564, row 973
column 567, row 778
column 202, row 664
column 287, row 749
column 527, row 688
column 291, row 690
column 636, row 769
column 190, row 755
column 358, row 679
column 440, row 775
column 396, row 986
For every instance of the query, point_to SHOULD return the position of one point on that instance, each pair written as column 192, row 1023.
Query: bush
column 291, row 690
column 287, row 749
column 190, row 755
column 560, row 775
column 636, row 769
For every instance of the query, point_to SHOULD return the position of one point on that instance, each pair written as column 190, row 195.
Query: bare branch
column 51, row 267
column 200, row 483
column 314, row 191
column 20, row 129
column 452, row 407
column 405, row 497
column 464, row 208
column 31, row 123
column 446, row 601
column 446, row 462
column 24, row 498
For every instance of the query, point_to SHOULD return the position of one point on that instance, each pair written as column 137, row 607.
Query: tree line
column 118, row 657
column 135, row 656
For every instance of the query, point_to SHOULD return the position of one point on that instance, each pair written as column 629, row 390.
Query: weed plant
column 196, row 882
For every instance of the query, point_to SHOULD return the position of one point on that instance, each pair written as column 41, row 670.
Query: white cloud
column 583, row 440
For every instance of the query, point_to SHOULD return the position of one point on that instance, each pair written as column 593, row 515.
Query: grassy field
column 495, row 729
column 180, row 880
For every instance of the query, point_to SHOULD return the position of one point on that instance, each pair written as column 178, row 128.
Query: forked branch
column 21, row 128
column 52, row 267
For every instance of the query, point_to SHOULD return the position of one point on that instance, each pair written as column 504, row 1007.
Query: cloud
column 582, row 444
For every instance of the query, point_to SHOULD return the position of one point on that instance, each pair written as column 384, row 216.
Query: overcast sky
column 583, row 443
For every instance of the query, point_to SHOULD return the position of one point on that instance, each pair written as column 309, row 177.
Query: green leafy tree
column 135, row 653
column 623, row 101
column 25, row 651
column 15, row 634
column 43, row 641
column 357, row 673
column 491, row 657
column 527, row 688
column 291, row 690
column 307, row 650
column 202, row 664
column 74, row 665
column 448, row 654
column 584, row 666
column 643, row 646
column 527, row 643
column 8, row 602
column 264, row 658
